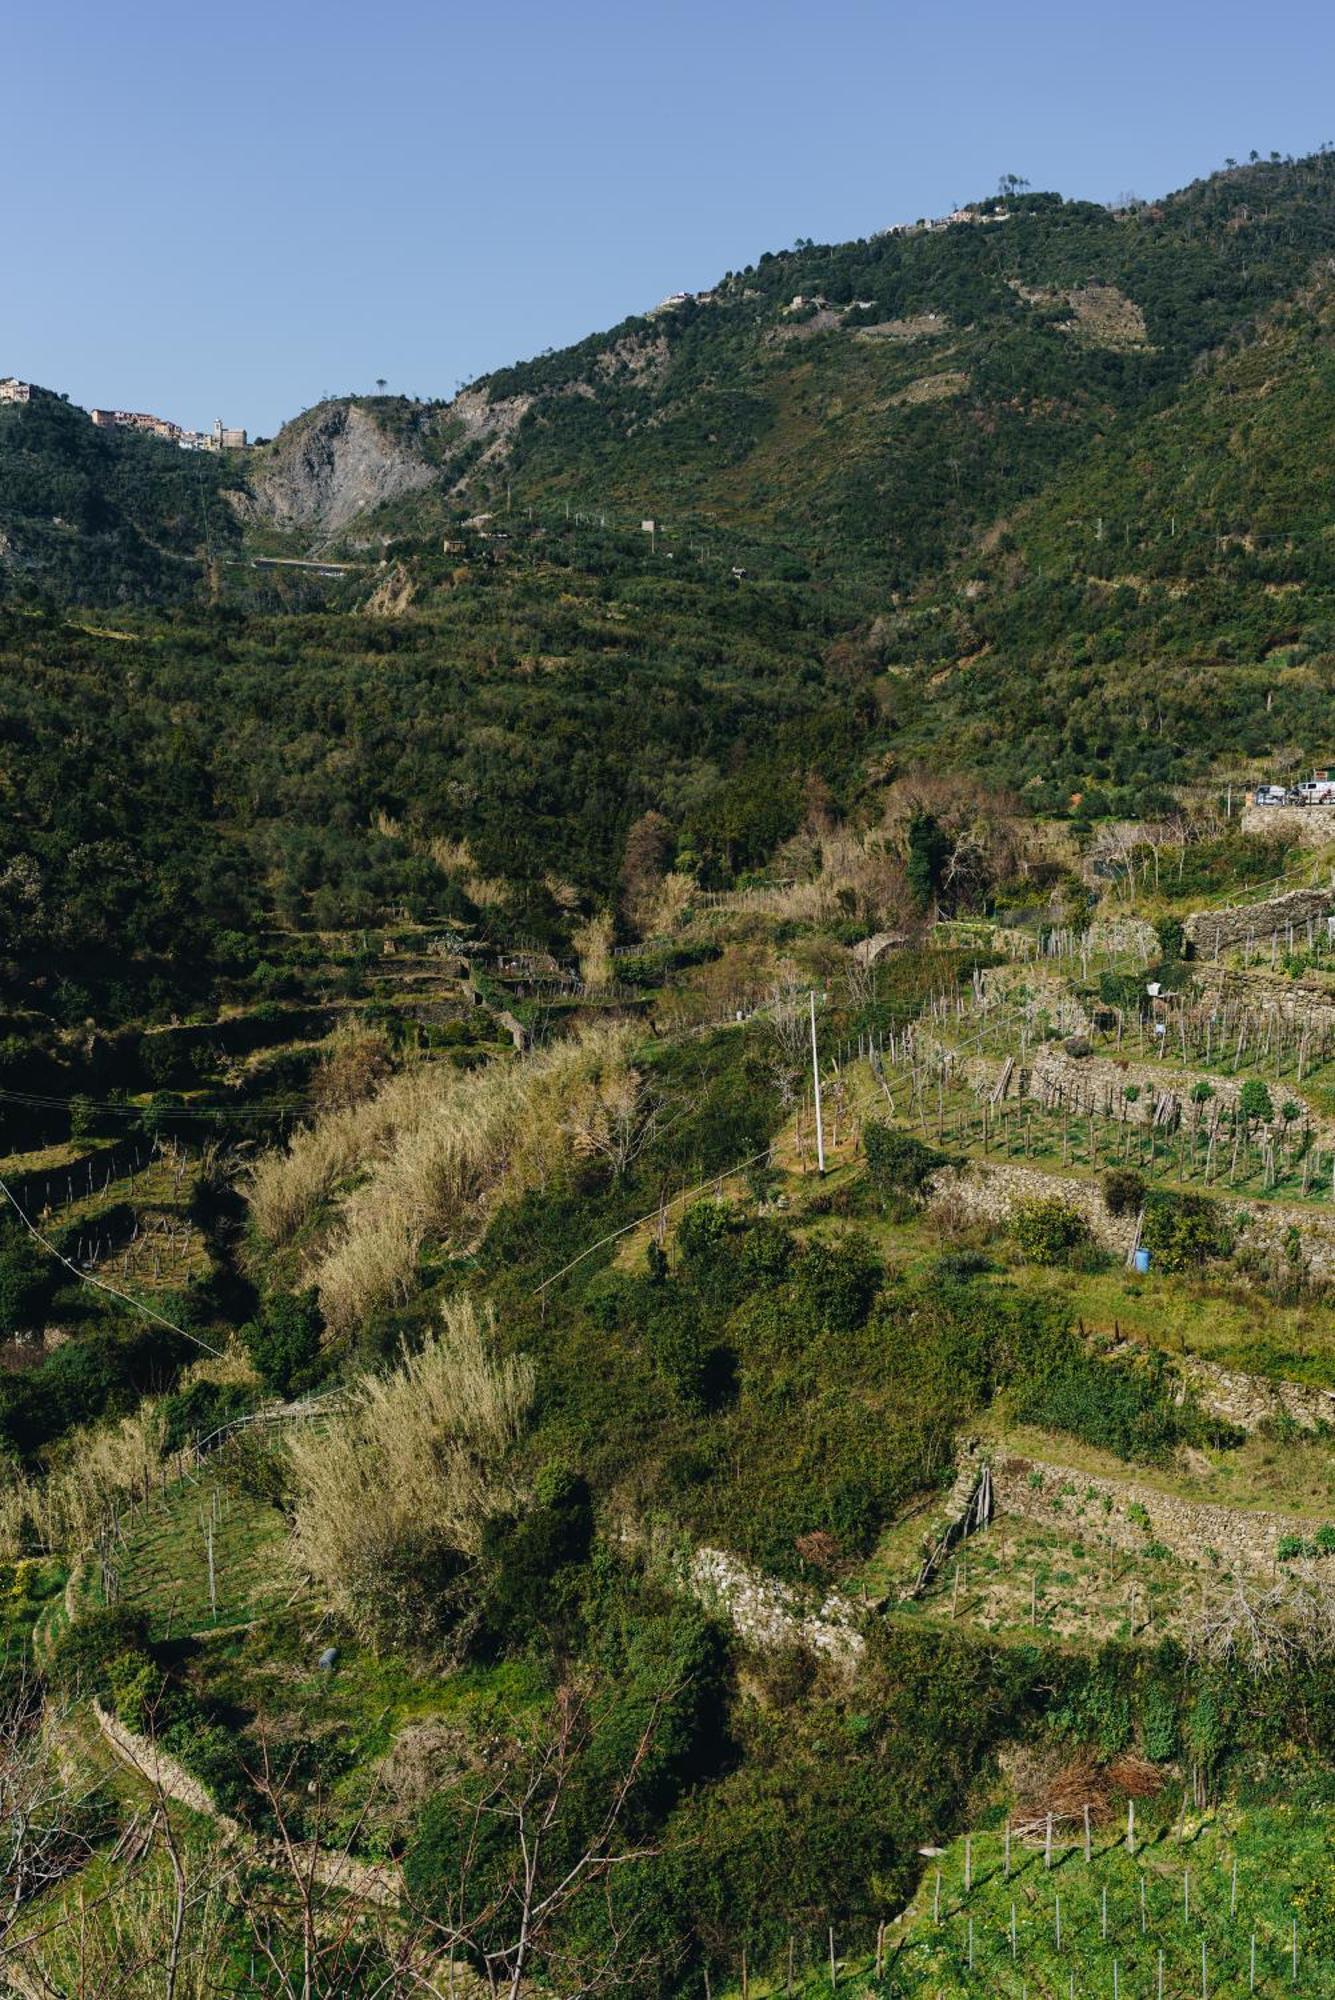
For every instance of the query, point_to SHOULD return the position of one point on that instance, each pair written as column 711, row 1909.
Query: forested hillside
column 667, row 1149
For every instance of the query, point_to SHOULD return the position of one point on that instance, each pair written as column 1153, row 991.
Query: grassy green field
column 162, row 1567
column 1179, row 1916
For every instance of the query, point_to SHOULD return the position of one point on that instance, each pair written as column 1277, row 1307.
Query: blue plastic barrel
column 1141, row 1261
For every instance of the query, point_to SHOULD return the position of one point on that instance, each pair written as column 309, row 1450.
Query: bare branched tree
column 45, row 1829
column 614, row 1118
column 508, row 1920
column 787, row 1028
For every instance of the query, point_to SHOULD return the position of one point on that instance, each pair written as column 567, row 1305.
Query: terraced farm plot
column 163, row 1568
column 1232, row 1904
column 1020, row 1581
column 1174, row 1910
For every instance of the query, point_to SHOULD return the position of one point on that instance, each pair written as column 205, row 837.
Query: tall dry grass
column 593, row 943
column 454, row 858
column 435, row 1150
column 420, row 1452
column 98, row 1470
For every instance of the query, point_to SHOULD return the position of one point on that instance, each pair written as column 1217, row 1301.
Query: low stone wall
column 1309, row 824
column 1098, row 1084
column 990, row 1193
column 771, row 1615
column 1213, row 931
column 1100, row 1510
column 1124, row 937
column 1311, row 1006
column 986, row 1193
column 370, row 1882
column 1251, row 1400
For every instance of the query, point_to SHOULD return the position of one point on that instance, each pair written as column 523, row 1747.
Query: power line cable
column 100, row 1285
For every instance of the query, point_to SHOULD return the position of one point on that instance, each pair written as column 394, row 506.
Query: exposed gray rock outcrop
column 328, row 468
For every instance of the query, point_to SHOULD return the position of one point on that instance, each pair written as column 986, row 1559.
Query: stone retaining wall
column 770, row 1615
column 370, row 1882
column 1123, row 937
column 1213, row 931
column 1262, row 988
column 1099, row 1510
column 1251, row 1400
column 988, row 1193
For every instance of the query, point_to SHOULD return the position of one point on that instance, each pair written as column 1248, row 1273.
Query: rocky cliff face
column 330, row 467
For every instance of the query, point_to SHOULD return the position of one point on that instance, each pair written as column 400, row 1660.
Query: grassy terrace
column 1193, row 1899
column 162, row 1564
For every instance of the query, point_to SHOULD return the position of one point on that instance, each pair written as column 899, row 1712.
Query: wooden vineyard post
column 1087, row 1843
column 1047, row 1843
column 834, row 1974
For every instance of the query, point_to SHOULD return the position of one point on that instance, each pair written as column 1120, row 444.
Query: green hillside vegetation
column 498, row 1492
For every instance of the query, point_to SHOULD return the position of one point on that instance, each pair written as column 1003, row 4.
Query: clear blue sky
column 233, row 210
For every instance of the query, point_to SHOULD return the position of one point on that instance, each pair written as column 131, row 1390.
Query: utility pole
column 815, row 1081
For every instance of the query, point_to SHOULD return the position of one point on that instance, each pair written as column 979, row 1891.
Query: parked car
column 1271, row 795
column 1316, row 792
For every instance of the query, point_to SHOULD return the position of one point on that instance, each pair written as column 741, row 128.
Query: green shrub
column 86, row 1652
column 1184, row 1231
column 1159, row 1723
column 1172, row 937
column 1123, row 1191
column 284, row 1342
column 899, row 1166
column 1048, row 1230
column 1254, row 1102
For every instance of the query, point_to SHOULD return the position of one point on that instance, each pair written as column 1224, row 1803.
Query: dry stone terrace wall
column 1213, row 931
column 1097, row 1085
column 1100, row 1510
column 1251, row 1400
column 985, row 1192
column 770, row 1615
column 1310, row 1006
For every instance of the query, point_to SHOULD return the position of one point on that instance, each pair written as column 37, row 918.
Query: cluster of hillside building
column 221, row 437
